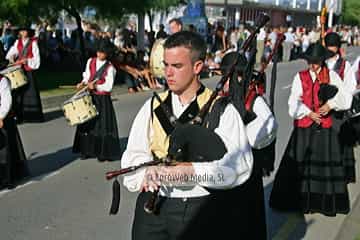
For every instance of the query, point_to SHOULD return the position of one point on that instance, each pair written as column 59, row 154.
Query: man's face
column 101, row 55
column 174, row 27
column 180, row 71
column 314, row 66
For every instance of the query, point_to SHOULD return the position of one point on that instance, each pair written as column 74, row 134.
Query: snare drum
column 79, row 109
column 16, row 76
column 157, row 67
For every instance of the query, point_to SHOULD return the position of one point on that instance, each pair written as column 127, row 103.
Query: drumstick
column 16, row 63
column 83, row 89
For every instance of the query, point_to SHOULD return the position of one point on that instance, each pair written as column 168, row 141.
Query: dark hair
column 190, row 40
column 176, row 20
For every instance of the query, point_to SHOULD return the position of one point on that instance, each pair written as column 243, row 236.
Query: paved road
column 68, row 198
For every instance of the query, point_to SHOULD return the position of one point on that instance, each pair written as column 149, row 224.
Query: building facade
column 282, row 12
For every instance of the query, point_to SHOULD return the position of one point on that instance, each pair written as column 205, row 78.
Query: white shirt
column 349, row 76
column 34, row 62
column 297, row 109
column 109, row 78
column 355, row 68
column 238, row 161
column 262, row 35
column 289, row 37
column 5, row 97
column 262, row 130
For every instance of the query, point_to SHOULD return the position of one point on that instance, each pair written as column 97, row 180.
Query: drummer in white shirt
column 25, row 53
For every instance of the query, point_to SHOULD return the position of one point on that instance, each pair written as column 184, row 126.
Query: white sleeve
column 297, row 109
column 138, row 148
column 5, row 98
column 34, row 62
column 13, row 52
column 109, row 80
column 343, row 99
column 237, row 163
column 262, row 130
column 349, row 78
column 86, row 74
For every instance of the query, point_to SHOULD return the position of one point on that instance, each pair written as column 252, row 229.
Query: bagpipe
column 257, row 85
column 188, row 142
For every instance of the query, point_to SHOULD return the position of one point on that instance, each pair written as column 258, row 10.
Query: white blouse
column 33, row 62
column 349, row 76
column 5, row 97
column 263, row 129
column 109, row 78
column 297, row 109
column 235, row 166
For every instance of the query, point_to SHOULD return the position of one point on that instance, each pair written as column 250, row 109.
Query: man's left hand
column 176, row 174
column 324, row 110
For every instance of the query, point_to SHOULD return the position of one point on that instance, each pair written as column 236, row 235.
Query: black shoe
column 11, row 186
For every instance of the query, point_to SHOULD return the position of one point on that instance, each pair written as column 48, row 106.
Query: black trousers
column 178, row 218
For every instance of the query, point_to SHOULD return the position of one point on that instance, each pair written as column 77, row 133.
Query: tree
column 351, row 12
column 22, row 11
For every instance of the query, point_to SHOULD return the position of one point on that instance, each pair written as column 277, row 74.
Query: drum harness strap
column 25, row 49
column 99, row 72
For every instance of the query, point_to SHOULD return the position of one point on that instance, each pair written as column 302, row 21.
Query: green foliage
column 351, row 12
column 20, row 11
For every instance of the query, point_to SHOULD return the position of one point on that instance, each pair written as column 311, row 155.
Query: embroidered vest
column 102, row 78
column 28, row 52
column 162, row 127
column 310, row 98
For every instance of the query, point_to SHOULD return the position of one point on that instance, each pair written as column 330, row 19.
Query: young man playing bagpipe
column 200, row 209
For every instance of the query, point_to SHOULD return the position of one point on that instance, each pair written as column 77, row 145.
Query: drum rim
column 11, row 69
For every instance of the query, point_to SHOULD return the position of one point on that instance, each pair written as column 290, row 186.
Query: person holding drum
column 25, row 53
column 12, row 157
column 191, row 211
column 99, row 136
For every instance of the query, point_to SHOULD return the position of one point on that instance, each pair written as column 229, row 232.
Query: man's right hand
column 315, row 117
column 79, row 86
column 1, row 123
column 151, row 180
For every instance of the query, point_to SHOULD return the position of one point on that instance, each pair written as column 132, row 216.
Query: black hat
column 229, row 59
column 333, row 40
column 26, row 27
column 3, row 64
column 104, row 45
column 317, row 53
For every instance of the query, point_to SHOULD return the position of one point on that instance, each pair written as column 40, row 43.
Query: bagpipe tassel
column 115, row 203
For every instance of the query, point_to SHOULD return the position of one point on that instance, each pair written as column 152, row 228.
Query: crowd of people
column 229, row 137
